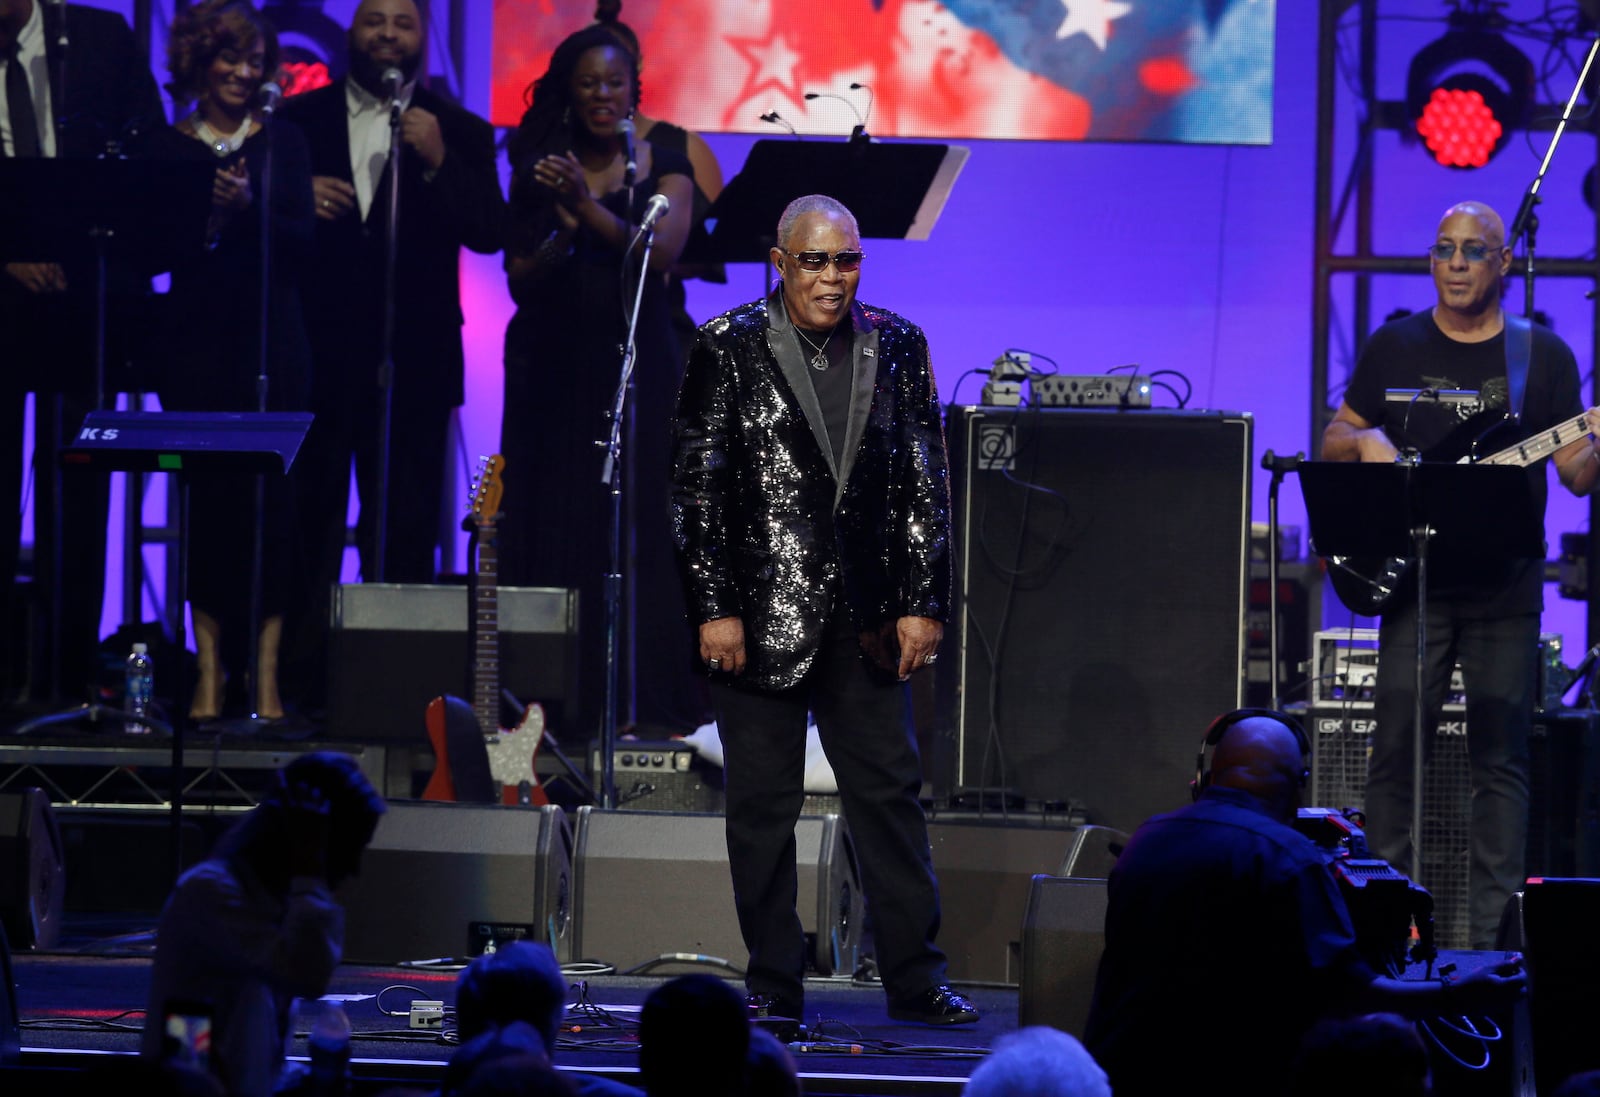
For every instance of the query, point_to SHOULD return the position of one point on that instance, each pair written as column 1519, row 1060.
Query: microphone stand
column 1526, row 220
column 386, row 366
column 611, row 474
column 1279, row 467
column 264, row 304
column 58, row 75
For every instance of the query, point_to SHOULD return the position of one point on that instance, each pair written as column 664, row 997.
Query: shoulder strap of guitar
column 1519, row 349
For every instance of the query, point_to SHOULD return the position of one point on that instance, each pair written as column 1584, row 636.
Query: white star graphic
column 1091, row 17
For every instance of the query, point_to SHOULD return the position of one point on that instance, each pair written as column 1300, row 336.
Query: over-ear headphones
column 1219, row 727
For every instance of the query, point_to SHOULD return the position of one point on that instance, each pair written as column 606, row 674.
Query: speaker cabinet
column 10, row 1033
column 396, row 646
column 650, row 884
column 1063, row 934
column 446, row 880
column 1552, row 922
column 1101, row 591
column 985, row 866
column 33, row 880
column 120, row 862
column 661, row 775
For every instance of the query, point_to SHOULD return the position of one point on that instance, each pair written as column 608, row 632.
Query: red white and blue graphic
column 1063, row 70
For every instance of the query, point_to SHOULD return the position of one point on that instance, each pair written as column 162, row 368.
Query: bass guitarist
column 1483, row 614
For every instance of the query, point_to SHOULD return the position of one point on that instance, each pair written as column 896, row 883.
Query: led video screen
column 1061, row 70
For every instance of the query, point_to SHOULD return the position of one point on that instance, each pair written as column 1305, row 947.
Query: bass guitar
column 475, row 758
column 1368, row 586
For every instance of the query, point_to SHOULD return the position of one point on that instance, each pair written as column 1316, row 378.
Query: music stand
column 1410, row 510
column 896, row 191
column 182, row 442
column 148, row 213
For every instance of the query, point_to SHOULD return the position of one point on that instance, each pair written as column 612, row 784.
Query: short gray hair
column 813, row 203
column 1038, row 1061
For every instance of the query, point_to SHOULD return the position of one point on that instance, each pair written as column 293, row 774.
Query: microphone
column 391, row 81
column 859, row 131
column 870, row 99
column 654, row 211
column 59, row 10
column 271, row 95
column 772, row 117
column 631, row 172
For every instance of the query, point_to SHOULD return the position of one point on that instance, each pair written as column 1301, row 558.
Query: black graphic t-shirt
column 1412, row 353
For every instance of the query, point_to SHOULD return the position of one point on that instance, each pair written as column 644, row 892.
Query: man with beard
column 449, row 199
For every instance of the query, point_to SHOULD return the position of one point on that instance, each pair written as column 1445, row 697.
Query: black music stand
column 1412, row 511
column 182, row 442
column 144, row 214
column 147, row 213
column 896, row 191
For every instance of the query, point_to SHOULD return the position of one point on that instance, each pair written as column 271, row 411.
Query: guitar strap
column 1519, row 349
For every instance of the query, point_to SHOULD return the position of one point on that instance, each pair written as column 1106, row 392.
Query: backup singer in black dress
column 573, row 217
column 220, row 54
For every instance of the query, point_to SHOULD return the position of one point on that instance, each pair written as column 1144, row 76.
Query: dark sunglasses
column 1473, row 252
column 814, row 262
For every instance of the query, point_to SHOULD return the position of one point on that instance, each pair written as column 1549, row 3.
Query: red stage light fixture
column 1467, row 92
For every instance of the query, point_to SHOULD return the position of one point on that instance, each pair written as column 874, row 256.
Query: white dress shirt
column 31, row 55
column 369, row 137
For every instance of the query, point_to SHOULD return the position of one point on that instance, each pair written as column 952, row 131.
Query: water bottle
column 141, row 684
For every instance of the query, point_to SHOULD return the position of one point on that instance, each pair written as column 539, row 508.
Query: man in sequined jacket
column 811, row 510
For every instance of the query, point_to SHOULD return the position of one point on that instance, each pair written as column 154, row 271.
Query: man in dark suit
column 47, row 317
column 449, row 199
column 812, row 512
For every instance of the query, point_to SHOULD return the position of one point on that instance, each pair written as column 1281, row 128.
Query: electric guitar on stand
column 1368, row 586
column 475, row 758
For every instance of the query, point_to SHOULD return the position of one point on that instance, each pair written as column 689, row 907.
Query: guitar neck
column 1536, row 447
column 486, row 637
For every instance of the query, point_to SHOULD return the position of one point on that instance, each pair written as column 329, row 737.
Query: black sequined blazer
column 763, row 521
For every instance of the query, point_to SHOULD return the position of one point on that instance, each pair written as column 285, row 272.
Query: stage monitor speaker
column 10, row 1032
column 451, row 880
column 33, row 879
column 1552, row 922
column 1093, row 853
column 985, row 866
column 397, row 646
column 651, row 884
column 1100, row 602
column 1063, row 934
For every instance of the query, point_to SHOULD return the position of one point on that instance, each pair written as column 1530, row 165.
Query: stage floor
column 87, row 998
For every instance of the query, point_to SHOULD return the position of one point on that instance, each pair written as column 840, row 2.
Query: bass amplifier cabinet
column 397, row 646
column 1340, row 739
column 1563, row 819
column 452, row 880
column 1100, row 602
column 653, row 890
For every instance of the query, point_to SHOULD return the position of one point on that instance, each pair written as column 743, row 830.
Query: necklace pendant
column 819, row 361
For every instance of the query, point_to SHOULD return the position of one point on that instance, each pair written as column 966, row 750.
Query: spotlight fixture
column 1467, row 91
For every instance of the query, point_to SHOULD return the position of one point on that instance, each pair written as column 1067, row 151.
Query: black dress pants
column 862, row 723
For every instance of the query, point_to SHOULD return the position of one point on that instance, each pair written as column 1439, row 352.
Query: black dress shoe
column 777, row 1015
column 762, row 1006
column 938, row 1005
